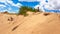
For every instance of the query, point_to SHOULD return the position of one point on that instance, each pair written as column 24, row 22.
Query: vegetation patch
column 45, row 14
column 24, row 9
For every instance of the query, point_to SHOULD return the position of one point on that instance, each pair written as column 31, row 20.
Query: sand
column 36, row 23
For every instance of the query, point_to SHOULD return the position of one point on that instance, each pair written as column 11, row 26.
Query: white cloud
column 31, row 0
column 42, row 2
column 40, row 7
column 2, row 0
column 1, row 5
column 9, row 3
column 51, row 5
column 28, row 0
column 18, row 5
column 55, row 4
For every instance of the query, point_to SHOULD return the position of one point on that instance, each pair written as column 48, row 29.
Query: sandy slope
column 32, row 24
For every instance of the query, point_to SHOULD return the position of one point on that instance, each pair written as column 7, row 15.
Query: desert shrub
column 45, row 14
column 23, row 10
column 6, row 12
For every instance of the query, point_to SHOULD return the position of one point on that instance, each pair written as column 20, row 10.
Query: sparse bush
column 45, row 14
column 6, row 12
column 23, row 10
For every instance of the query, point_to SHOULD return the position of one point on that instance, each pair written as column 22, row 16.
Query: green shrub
column 23, row 10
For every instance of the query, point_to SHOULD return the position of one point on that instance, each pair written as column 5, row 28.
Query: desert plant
column 45, row 14
column 23, row 10
column 6, row 12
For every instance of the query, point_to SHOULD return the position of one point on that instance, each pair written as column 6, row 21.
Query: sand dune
column 32, row 24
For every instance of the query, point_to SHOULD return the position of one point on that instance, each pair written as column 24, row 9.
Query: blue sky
column 45, row 5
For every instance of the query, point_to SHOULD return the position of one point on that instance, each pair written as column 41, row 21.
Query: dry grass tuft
column 46, row 14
